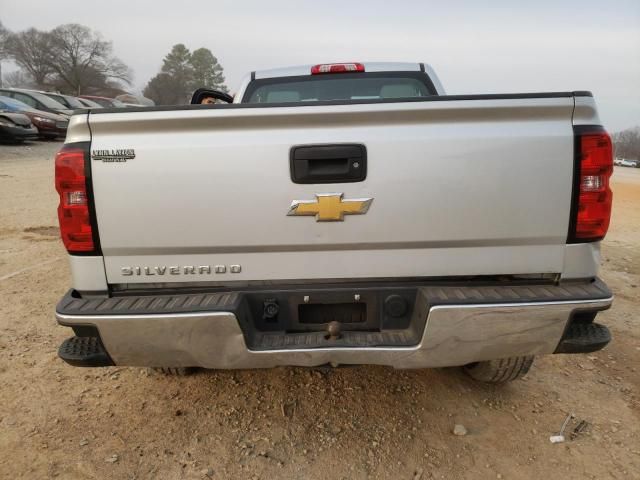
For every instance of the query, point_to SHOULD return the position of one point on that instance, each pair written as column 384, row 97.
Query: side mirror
column 204, row 93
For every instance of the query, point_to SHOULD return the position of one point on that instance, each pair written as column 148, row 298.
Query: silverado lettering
column 179, row 270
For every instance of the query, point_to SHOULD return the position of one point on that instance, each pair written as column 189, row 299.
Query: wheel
column 175, row 371
column 499, row 371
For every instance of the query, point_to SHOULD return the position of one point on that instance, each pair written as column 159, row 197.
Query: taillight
column 337, row 68
column 592, row 196
column 73, row 211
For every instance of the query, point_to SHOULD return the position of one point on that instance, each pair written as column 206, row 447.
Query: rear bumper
column 47, row 130
column 18, row 133
column 207, row 330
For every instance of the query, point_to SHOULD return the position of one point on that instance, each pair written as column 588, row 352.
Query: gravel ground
column 351, row 423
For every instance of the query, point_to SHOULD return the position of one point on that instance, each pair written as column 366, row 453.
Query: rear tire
column 174, row 371
column 499, row 371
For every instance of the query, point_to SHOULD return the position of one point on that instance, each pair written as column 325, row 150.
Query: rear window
column 105, row 102
column 69, row 101
column 328, row 87
column 15, row 104
column 74, row 102
column 46, row 101
column 26, row 99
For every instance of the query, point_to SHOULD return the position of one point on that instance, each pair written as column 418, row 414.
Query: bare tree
column 30, row 50
column 627, row 143
column 18, row 79
column 4, row 34
column 80, row 58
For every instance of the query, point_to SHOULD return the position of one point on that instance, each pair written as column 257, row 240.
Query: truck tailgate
column 458, row 187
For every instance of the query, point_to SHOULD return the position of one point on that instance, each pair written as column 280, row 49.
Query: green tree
column 164, row 89
column 183, row 72
column 177, row 64
column 207, row 72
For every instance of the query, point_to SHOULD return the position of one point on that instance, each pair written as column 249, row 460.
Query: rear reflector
column 73, row 210
column 337, row 68
column 592, row 195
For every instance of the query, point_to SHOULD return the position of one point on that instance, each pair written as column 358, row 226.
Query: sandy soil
column 351, row 423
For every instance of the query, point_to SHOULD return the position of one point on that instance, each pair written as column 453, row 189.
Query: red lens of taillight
column 73, row 210
column 594, row 197
column 337, row 68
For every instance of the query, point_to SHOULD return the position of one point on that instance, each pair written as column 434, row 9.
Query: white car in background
column 627, row 163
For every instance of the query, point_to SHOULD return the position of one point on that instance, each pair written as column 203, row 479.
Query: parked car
column 49, row 125
column 86, row 103
column 135, row 100
column 16, row 127
column 36, row 100
column 66, row 100
column 104, row 101
column 629, row 163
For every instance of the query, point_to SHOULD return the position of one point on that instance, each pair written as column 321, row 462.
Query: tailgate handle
column 343, row 163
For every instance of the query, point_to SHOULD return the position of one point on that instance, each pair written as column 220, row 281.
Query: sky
column 475, row 47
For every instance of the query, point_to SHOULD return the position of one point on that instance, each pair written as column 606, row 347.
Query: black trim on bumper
column 18, row 133
column 225, row 301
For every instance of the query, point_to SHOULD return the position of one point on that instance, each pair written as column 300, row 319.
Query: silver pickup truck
column 337, row 214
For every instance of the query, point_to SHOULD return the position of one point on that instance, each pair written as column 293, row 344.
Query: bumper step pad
column 150, row 304
column 584, row 338
column 275, row 341
column 84, row 352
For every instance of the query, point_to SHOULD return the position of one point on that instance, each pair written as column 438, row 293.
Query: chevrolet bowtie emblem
column 330, row 207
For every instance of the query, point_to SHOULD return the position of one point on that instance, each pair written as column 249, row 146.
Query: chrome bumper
column 453, row 335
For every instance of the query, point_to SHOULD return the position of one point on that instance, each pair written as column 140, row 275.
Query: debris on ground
column 287, row 409
column 459, row 430
column 207, row 472
column 581, row 428
column 559, row 437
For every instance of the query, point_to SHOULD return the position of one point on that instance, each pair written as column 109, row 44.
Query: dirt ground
column 296, row 423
